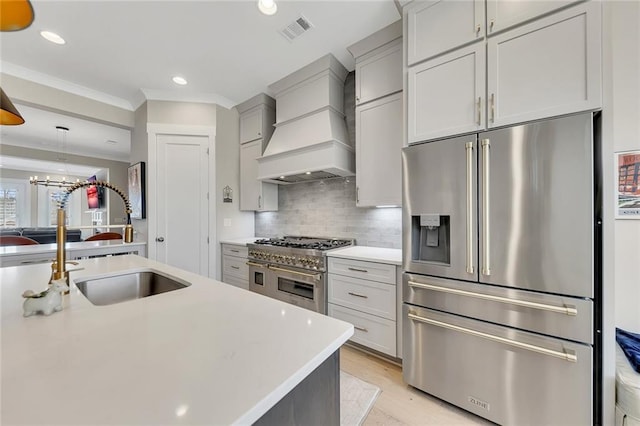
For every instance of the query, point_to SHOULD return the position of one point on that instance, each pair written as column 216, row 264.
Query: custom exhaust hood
column 310, row 141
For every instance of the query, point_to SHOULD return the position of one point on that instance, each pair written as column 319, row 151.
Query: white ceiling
column 123, row 52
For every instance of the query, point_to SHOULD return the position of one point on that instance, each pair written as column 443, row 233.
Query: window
column 8, row 207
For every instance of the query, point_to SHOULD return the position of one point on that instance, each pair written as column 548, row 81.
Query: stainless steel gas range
column 292, row 269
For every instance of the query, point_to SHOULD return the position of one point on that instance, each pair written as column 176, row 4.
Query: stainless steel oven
column 292, row 269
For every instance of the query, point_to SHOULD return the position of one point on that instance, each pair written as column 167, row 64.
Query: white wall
column 238, row 224
column 621, row 131
column 625, row 103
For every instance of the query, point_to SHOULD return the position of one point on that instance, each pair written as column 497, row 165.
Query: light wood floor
column 399, row 403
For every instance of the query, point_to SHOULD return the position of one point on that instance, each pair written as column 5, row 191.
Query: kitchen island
column 209, row 353
column 45, row 253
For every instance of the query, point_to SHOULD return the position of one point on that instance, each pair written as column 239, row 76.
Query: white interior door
column 182, row 176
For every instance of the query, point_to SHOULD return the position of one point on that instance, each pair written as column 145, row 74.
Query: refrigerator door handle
column 470, row 215
column 567, row 356
column 486, row 243
column 567, row 309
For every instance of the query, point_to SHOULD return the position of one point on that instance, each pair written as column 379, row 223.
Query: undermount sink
column 127, row 286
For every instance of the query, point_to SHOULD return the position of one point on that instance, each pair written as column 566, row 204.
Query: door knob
column 160, row 239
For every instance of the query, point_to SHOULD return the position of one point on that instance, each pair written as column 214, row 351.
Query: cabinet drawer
column 371, row 331
column 233, row 250
column 366, row 270
column 235, row 266
column 370, row 297
column 235, row 281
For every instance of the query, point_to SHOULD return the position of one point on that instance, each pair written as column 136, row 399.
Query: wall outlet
column 227, row 222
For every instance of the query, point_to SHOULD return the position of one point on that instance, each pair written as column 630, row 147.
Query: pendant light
column 64, row 183
column 9, row 115
column 15, row 15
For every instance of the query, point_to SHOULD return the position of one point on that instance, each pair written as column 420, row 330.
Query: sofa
column 46, row 235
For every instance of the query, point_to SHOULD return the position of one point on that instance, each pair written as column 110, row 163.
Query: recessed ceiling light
column 52, row 37
column 268, row 7
column 179, row 80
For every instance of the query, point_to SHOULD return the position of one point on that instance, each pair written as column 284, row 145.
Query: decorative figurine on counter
column 47, row 301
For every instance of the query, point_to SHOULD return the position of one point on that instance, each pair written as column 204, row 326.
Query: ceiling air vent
column 295, row 29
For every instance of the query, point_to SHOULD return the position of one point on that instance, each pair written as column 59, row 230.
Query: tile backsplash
column 328, row 209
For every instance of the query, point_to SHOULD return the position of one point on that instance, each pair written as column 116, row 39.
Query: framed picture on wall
column 628, row 185
column 136, row 190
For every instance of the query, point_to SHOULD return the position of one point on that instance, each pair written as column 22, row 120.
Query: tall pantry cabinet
column 379, row 107
column 257, row 116
column 518, row 62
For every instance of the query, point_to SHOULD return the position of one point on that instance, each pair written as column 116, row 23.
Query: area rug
column 356, row 399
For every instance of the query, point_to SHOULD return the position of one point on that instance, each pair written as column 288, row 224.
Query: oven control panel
column 300, row 261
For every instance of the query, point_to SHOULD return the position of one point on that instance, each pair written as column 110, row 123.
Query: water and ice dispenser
column 430, row 238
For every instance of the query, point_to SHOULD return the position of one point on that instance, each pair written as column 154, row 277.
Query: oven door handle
column 259, row 265
column 275, row 268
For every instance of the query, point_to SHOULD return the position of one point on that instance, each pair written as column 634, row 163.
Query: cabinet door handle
column 358, row 295
column 357, row 194
column 493, row 111
column 360, row 328
column 259, row 201
column 160, row 239
column 234, row 251
column 357, row 270
column 491, row 25
column 478, row 30
column 479, row 105
column 235, row 267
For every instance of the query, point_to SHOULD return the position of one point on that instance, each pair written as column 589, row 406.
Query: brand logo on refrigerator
column 479, row 403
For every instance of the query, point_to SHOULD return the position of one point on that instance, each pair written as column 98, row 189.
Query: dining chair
column 105, row 236
column 16, row 240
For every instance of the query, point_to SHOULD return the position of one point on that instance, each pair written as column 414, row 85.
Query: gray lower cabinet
column 364, row 294
column 234, row 265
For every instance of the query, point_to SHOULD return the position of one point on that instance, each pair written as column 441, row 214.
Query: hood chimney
column 310, row 140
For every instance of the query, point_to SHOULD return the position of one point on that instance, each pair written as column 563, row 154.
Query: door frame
column 153, row 131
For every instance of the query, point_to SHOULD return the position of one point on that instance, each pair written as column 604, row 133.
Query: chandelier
column 63, row 183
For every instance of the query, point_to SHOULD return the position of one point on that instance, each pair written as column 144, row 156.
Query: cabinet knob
column 160, row 239
column 259, row 133
column 357, row 98
column 478, row 30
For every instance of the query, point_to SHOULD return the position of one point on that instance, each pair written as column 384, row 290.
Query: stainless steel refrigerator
column 501, row 283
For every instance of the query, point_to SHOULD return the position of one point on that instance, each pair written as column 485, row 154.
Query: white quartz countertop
column 240, row 241
column 371, row 254
column 210, row 353
column 51, row 248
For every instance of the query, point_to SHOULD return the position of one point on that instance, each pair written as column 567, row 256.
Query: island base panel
column 315, row 401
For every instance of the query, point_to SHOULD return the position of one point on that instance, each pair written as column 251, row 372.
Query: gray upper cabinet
column 435, row 27
column 257, row 116
column 379, row 74
column 548, row 66
column 502, row 15
column 446, row 95
column 379, row 120
column 251, row 125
